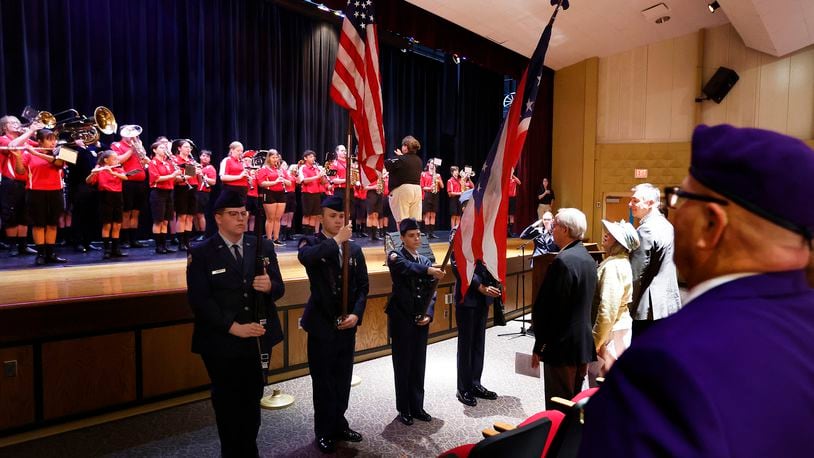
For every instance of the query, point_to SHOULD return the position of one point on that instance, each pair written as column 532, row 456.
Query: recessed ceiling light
column 713, row 7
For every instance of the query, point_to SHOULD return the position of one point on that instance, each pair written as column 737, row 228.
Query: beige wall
column 642, row 103
column 772, row 93
column 647, row 94
column 574, row 136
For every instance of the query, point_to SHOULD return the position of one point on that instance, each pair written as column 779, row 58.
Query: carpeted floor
column 189, row 430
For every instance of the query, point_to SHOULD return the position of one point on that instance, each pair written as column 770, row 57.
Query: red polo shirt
column 42, row 175
column 132, row 163
column 159, row 169
column 234, row 166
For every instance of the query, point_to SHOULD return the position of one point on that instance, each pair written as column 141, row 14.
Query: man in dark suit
column 730, row 374
column 221, row 288
column 562, row 310
column 410, row 310
column 332, row 331
column 655, row 282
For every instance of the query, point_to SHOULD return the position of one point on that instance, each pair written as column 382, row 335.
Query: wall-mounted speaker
column 719, row 85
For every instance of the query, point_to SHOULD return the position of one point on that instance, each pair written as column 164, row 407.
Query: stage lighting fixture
column 713, row 7
column 456, row 59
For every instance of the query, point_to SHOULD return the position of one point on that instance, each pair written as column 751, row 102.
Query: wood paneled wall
column 17, row 392
column 772, row 93
column 647, row 94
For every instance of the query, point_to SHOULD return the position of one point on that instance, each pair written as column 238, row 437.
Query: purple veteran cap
column 765, row 172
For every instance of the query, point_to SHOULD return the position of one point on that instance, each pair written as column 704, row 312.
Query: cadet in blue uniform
column 331, row 331
column 221, row 290
column 471, row 314
column 410, row 310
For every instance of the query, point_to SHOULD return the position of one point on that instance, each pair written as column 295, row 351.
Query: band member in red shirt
column 186, row 189
column 340, row 164
column 359, row 208
column 135, row 188
column 272, row 181
column 108, row 176
column 232, row 174
column 290, row 201
column 454, row 193
column 13, row 184
column 385, row 214
column 208, row 178
column 310, row 180
column 162, row 180
column 373, row 205
column 431, row 185
column 252, row 192
column 44, row 196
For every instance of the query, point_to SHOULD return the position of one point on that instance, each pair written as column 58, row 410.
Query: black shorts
column 186, row 202
column 386, row 212
column 161, row 205
column 135, row 195
column 274, row 197
column 110, row 207
column 44, row 207
column 290, row 202
column 454, row 206
column 252, row 205
column 359, row 208
column 373, row 202
column 430, row 202
column 311, row 204
column 202, row 198
column 12, row 211
column 242, row 190
column 512, row 205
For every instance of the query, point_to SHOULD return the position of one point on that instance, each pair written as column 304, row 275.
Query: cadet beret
column 465, row 196
column 229, row 199
column 334, row 203
column 767, row 173
column 408, row 224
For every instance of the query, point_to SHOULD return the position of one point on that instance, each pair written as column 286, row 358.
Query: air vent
column 658, row 13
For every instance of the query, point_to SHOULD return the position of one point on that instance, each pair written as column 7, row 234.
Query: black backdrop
column 222, row 70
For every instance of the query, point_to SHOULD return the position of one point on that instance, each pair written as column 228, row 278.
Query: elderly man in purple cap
column 731, row 373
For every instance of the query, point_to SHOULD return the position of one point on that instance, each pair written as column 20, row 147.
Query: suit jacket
column 321, row 258
column 220, row 293
column 655, row 281
column 728, row 376
column 562, row 309
column 413, row 289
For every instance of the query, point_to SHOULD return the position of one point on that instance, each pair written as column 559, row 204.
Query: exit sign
column 640, row 173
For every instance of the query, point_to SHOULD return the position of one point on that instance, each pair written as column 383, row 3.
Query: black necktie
column 238, row 256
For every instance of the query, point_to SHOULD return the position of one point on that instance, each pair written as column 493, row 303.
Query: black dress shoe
column 467, row 398
column 40, row 261
column 326, row 445
column 137, row 244
column 483, row 393
column 422, row 415
column 91, row 247
column 80, row 249
column 28, row 251
column 350, row 436
column 54, row 259
column 405, row 419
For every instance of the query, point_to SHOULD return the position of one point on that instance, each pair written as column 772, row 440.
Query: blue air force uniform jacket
column 220, row 293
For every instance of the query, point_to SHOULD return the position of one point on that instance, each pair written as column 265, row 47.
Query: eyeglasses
column 674, row 197
column 236, row 213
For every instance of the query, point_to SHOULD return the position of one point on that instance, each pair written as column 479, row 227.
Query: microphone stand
column 523, row 321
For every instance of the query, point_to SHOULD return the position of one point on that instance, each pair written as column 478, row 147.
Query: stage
column 104, row 337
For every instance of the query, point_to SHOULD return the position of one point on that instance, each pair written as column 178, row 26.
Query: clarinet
column 260, row 312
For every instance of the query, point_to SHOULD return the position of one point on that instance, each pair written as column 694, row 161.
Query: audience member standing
column 614, row 293
column 562, row 310
column 540, row 232
column 655, row 283
column 730, row 374
column 405, row 180
column 545, row 198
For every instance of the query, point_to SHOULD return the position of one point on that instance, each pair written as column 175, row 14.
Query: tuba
column 80, row 127
column 43, row 117
column 133, row 131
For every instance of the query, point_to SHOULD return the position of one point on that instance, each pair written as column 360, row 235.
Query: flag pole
column 346, row 244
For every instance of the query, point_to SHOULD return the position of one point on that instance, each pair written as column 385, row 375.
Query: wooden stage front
column 82, row 341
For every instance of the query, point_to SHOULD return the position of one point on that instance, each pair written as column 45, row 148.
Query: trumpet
column 380, row 184
column 43, row 117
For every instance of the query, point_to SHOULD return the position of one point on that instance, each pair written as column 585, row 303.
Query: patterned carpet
column 189, row 430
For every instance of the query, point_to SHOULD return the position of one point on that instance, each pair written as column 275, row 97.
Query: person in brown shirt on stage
column 405, row 180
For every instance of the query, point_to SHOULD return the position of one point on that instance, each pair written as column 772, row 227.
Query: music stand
column 522, row 320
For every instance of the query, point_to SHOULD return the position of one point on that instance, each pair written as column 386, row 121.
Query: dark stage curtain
column 222, row 70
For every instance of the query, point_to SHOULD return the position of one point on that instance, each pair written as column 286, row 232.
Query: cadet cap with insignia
column 767, row 173
column 465, row 196
column 334, row 203
column 229, row 199
column 408, row 224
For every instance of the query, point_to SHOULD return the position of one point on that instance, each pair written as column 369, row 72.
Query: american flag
column 481, row 234
column 355, row 84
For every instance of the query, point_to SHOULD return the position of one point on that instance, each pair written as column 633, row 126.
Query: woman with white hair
column 614, row 291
